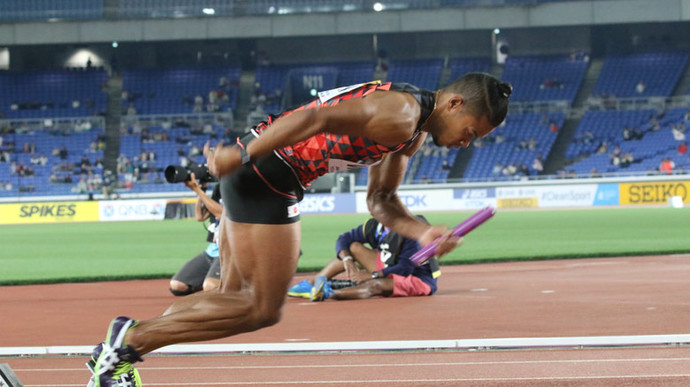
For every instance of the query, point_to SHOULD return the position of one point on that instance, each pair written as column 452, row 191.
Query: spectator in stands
column 626, row 134
column 602, row 148
column 522, row 169
column 107, row 182
column 666, row 167
column 686, row 118
column 594, row 173
column 81, row 186
column 678, row 134
column 640, row 88
column 85, row 163
column 538, row 164
column 509, row 170
column 203, row 271
column 655, row 125
column 637, row 134
column 5, row 156
column 682, row 148
column 532, row 144
column 553, row 127
column 63, row 153
column 445, row 166
column 194, row 151
column 522, row 145
column 497, row 169
column 376, row 262
column 626, row 159
column 131, row 110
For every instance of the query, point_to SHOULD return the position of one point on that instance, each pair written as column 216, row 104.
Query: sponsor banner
column 55, row 212
column 581, row 195
column 121, row 210
column 607, row 195
column 327, row 203
column 439, row 200
column 654, row 192
column 474, row 193
column 518, row 203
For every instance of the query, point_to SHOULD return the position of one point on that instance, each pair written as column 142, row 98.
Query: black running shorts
column 265, row 191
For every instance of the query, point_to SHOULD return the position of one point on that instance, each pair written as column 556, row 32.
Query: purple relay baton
column 429, row 251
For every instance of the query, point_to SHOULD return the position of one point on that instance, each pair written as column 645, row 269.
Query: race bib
column 330, row 94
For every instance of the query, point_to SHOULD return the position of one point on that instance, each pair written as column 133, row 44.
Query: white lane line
column 486, row 343
column 421, row 381
column 378, row 365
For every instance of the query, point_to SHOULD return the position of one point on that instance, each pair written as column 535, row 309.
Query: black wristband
column 244, row 156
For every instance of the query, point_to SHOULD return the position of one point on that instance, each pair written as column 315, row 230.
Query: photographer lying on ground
column 387, row 269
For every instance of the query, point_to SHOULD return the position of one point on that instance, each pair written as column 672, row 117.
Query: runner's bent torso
column 328, row 152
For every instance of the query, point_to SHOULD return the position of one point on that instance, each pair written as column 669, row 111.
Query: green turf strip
column 123, row 250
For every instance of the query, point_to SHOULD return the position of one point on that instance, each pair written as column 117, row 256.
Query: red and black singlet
column 327, row 152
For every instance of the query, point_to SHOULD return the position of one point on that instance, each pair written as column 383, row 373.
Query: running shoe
column 130, row 379
column 113, row 362
column 321, row 289
column 300, row 289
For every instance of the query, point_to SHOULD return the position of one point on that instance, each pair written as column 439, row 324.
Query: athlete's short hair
column 483, row 94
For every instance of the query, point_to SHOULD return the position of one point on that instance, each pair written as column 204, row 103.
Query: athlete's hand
column 360, row 276
column 222, row 160
column 445, row 241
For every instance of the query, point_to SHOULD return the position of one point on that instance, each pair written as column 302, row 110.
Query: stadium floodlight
column 497, row 31
column 378, row 7
column 114, row 44
column 208, row 11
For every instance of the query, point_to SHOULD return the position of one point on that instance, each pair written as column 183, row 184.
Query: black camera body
column 179, row 174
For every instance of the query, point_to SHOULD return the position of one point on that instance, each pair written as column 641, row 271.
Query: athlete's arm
column 382, row 197
column 388, row 118
column 385, row 205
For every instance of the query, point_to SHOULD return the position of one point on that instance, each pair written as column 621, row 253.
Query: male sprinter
column 263, row 177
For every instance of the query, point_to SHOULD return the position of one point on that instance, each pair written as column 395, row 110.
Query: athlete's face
column 455, row 127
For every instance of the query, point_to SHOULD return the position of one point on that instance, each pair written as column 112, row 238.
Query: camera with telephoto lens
column 179, row 174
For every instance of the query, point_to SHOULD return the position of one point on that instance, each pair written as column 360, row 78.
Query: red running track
column 595, row 297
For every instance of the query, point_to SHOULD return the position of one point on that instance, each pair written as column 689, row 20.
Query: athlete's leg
column 364, row 255
column 332, row 268
column 263, row 260
column 373, row 288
